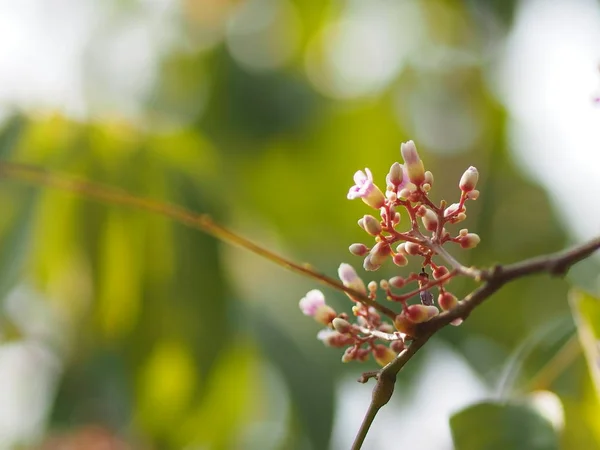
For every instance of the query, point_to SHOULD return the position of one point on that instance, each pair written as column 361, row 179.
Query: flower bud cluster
column 406, row 200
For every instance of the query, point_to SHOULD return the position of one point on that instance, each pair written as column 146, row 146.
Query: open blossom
column 313, row 304
column 365, row 189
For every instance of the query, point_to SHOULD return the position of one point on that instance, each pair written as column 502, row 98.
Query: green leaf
column 501, row 426
column 586, row 311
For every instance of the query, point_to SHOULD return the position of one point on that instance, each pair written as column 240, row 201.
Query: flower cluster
column 407, row 189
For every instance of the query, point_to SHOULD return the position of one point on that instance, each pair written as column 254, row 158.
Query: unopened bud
column 370, row 224
column 463, row 232
column 386, row 328
column 379, row 253
column 372, row 286
column 456, row 322
column 401, row 248
column 412, row 248
column 325, row 314
column 397, row 346
column 470, row 240
column 383, row 355
column 404, row 324
column 440, row 272
column 332, row 338
column 384, row 284
column 395, row 175
column 349, row 355
column 473, row 195
column 468, row 181
column 421, row 313
column 429, row 178
column 368, row 264
column 362, row 354
column 447, row 301
column 359, row 249
column 414, row 165
column 400, row 260
column 341, row 326
column 397, row 282
column 430, row 220
column 453, row 208
column 426, row 187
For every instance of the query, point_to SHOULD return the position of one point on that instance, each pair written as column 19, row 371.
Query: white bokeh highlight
column 548, row 78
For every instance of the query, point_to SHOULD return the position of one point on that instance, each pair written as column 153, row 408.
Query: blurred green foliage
column 172, row 340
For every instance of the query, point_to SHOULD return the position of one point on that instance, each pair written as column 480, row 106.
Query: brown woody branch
column 555, row 264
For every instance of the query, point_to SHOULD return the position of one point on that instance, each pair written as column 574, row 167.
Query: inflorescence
column 407, row 187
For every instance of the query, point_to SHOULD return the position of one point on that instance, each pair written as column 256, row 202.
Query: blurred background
column 123, row 330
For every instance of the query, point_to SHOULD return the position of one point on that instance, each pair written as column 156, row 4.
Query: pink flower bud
column 397, row 282
column 452, row 209
column 400, row 260
column 402, row 248
column 397, row 346
column 359, row 249
column 365, row 189
column 370, row 224
column 332, row 338
column 383, row 355
column 421, row 313
column 368, row 264
column 473, row 195
column 440, row 272
column 404, row 324
column 379, row 253
column 430, row 220
column 468, row 181
column 447, row 301
column 349, row 355
column 414, row 165
column 412, row 248
column 395, row 175
column 469, row 241
column 386, row 328
column 362, row 354
column 341, row 326
column 372, row 286
column 350, row 279
column 384, row 284
column 325, row 314
column 429, row 178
